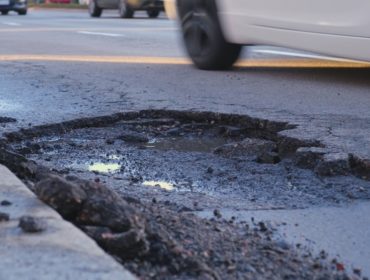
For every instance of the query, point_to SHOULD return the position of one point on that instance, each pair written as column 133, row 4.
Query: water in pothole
column 181, row 170
column 159, row 184
column 102, row 167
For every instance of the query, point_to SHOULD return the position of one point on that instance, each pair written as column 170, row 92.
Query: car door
column 337, row 17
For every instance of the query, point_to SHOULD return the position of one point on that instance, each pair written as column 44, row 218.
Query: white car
column 215, row 30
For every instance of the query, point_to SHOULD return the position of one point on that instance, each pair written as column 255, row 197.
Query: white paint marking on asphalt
column 303, row 55
column 11, row 23
column 100, row 34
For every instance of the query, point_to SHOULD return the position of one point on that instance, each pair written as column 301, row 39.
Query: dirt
column 4, row 217
column 154, row 242
column 161, row 167
column 31, row 224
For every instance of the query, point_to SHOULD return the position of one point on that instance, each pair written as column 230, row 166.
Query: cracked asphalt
column 57, row 66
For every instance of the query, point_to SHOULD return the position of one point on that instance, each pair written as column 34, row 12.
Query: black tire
column 153, row 13
column 94, row 10
column 4, row 13
column 205, row 42
column 124, row 9
column 22, row 12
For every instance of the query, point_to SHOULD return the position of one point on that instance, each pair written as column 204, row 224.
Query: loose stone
column 5, row 203
column 32, row 224
column 217, row 213
column 4, row 217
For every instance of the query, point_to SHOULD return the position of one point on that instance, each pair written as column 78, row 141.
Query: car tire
column 153, row 13
column 124, row 9
column 94, row 10
column 22, row 12
column 205, row 42
column 4, row 13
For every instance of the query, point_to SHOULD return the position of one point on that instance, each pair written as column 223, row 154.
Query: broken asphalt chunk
column 4, row 217
column 32, row 224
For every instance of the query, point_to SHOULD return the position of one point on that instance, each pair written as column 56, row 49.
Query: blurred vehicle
column 215, row 30
column 59, row 1
column 170, row 8
column 19, row 6
column 126, row 8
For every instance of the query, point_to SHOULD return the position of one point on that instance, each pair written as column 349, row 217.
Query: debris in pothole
column 133, row 137
column 161, row 167
column 32, row 224
column 247, row 147
column 333, row 164
column 269, row 158
column 308, row 157
column 156, row 243
column 245, row 172
column 217, row 213
column 116, row 226
column 4, row 217
column 133, row 152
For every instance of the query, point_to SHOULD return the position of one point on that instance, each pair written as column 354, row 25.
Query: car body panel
column 357, row 48
column 338, row 28
column 339, row 17
column 332, row 27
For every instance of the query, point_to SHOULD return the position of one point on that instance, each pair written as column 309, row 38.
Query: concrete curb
column 60, row 252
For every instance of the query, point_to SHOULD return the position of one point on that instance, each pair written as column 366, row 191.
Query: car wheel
column 94, row 10
column 22, row 12
column 153, row 13
column 124, row 10
column 205, row 42
column 4, row 12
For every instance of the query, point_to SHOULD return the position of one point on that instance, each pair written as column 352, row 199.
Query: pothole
column 165, row 164
column 190, row 161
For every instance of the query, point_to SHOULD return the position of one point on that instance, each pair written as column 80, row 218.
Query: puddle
column 187, row 144
column 159, row 184
column 104, row 167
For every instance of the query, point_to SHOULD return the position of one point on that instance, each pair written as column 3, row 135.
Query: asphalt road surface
column 71, row 65
column 60, row 65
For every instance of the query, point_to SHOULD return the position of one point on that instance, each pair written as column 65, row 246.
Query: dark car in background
column 19, row 6
column 126, row 8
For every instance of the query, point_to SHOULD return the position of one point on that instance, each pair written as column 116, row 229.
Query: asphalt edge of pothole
column 307, row 153
column 55, row 250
